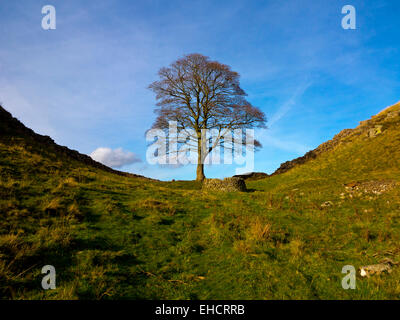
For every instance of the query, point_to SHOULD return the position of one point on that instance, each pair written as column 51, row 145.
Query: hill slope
column 13, row 133
column 111, row 237
column 380, row 135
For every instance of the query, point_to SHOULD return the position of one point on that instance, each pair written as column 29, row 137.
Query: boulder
column 227, row 185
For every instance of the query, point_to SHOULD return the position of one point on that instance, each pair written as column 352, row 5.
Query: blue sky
column 85, row 83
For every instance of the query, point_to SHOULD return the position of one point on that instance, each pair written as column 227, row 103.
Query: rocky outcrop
column 376, row 269
column 252, row 176
column 227, row 185
column 370, row 187
column 376, row 130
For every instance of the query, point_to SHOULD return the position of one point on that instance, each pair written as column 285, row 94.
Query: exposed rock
column 351, row 185
column 385, row 266
column 373, row 132
column 392, row 114
column 373, row 186
column 327, row 204
column 252, row 176
column 228, row 184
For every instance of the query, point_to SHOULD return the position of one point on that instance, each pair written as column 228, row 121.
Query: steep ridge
column 13, row 132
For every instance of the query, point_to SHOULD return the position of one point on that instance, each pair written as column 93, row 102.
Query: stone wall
column 227, row 185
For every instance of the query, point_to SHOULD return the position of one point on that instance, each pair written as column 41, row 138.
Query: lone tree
column 197, row 94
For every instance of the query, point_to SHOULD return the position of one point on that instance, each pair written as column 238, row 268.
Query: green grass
column 115, row 237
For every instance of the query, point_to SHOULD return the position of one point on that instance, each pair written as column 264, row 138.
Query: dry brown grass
column 258, row 230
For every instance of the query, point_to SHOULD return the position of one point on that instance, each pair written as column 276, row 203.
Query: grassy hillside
column 112, row 236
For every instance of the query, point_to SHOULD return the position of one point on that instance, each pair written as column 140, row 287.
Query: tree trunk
column 200, row 172
column 200, row 165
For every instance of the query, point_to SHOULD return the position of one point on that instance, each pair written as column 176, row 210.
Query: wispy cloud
column 277, row 138
column 285, row 108
column 284, row 144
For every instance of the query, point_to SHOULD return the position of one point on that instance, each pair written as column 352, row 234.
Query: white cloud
column 114, row 158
